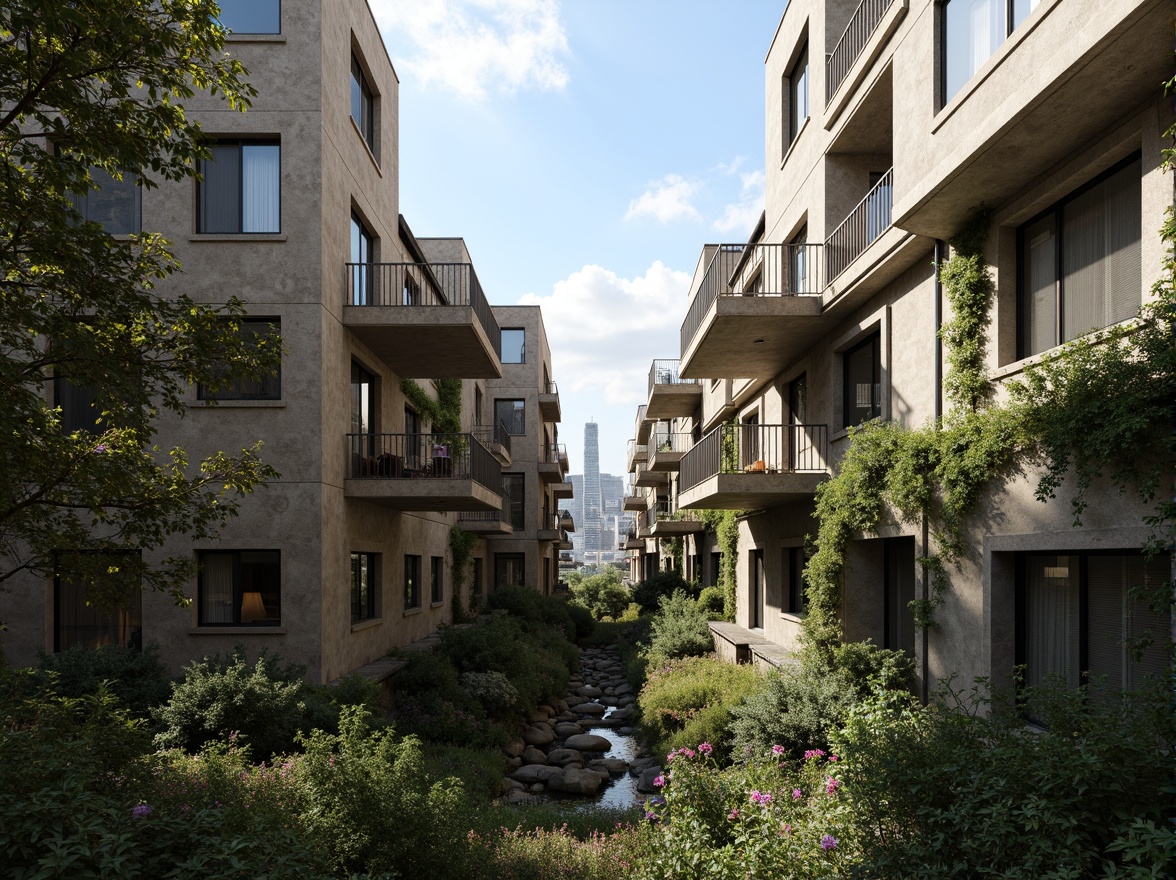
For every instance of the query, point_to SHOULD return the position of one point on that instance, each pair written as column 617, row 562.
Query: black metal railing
column 754, row 270
column 665, row 372
column 675, row 442
column 497, row 434
column 471, row 517
column 857, row 33
column 549, row 522
column 422, row 284
column 869, row 219
column 422, row 456
column 752, row 448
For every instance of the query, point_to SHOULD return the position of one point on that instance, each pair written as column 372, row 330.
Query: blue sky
column 585, row 150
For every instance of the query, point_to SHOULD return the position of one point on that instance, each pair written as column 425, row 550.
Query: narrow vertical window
column 798, row 94
column 436, row 580
column 363, row 105
column 412, row 582
column 362, row 257
column 363, row 586
column 862, row 368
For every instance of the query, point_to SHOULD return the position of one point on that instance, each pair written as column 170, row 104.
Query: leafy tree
column 603, row 594
column 102, row 85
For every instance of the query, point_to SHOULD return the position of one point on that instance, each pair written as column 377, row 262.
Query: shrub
column 493, row 691
column 690, row 701
column 710, row 602
column 534, row 608
column 792, row 709
column 136, row 677
column 535, row 853
column 679, row 629
column 650, row 592
column 1012, row 801
column 582, row 620
column 370, row 807
column 603, row 594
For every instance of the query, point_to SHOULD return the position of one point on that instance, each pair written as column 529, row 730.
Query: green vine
column 444, row 411
column 725, row 525
column 677, row 549
column 461, row 548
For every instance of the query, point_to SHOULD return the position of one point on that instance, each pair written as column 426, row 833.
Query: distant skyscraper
column 593, row 503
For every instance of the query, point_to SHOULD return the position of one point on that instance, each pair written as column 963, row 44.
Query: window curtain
column 216, row 595
column 1040, row 289
column 1117, row 620
column 220, row 195
column 1051, row 620
column 260, row 188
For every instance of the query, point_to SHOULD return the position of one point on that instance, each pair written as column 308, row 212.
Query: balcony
column 565, row 541
column 565, row 521
column 497, row 440
column 564, row 463
column 487, row 522
column 737, row 467
column 649, row 479
column 631, row 541
column 422, row 472
column 641, row 425
column 634, row 455
column 667, row 524
column 865, row 223
column 424, row 320
column 549, row 402
column 671, row 396
column 757, row 307
column 861, row 42
column 634, row 502
column 553, row 462
column 562, row 489
column 549, row 529
column 668, row 451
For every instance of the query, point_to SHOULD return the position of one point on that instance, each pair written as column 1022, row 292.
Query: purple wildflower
column 814, row 753
column 140, row 811
column 831, row 784
column 777, row 750
column 705, row 748
column 101, row 447
column 828, row 842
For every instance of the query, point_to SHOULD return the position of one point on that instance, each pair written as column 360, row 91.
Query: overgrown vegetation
column 679, row 629
column 603, row 594
column 725, row 525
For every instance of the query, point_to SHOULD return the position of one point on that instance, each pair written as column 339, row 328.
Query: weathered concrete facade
column 871, row 165
column 326, row 507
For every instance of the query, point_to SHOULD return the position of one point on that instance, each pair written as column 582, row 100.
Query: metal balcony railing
column 553, row 453
column 422, row 284
column 752, row 448
column 665, row 372
column 422, row 456
column 857, row 33
column 754, row 270
column 869, row 219
column 487, row 516
column 497, row 434
column 675, row 442
column 550, row 387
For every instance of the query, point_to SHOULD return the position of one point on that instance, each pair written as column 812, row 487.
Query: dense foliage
column 679, row 629
column 649, row 592
column 604, row 594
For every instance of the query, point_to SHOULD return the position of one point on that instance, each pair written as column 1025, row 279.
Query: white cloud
column 667, row 200
column 476, row 46
column 605, row 330
column 741, row 216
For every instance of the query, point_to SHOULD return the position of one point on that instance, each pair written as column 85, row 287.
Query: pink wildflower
column 828, row 842
column 796, row 794
column 814, row 753
column 734, row 814
column 777, row 750
column 831, row 784
column 659, row 781
column 705, row 748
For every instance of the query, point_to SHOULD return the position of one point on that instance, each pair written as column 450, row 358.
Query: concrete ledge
column 733, row 643
column 772, row 656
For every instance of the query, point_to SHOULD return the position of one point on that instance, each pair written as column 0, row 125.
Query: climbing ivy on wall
column 444, row 411
column 725, row 525
column 1094, row 407
column 461, row 548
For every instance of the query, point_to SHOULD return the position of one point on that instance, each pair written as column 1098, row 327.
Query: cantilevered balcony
column 487, row 522
column 630, row 541
column 865, row 223
column 497, row 440
column 549, row 402
column 757, row 307
column 642, row 425
column 667, row 452
column 565, row 541
column 671, row 396
column 549, row 529
column 671, row 524
column 553, row 460
column 737, row 467
column 566, row 522
column 422, row 472
column 861, row 41
column 634, row 455
column 649, row 479
column 562, row 489
column 424, row 320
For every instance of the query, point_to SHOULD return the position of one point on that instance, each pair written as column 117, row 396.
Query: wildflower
column 833, row 758
column 814, row 753
column 734, row 814
column 787, row 828
column 761, row 797
column 670, row 757
column 831, row 784
column 705, row 748
column 101, row 448
column 796, row 794
column 828, row 842
column 140, row 811
column 777, row 750
column 659, row 781
column 651, row 816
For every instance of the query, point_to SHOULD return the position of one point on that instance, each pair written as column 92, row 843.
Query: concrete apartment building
column 887, row 123
column 347, row 554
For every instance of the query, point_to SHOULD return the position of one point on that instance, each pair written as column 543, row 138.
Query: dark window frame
column 367, row 103
column 518, row 506
column 848, row 394
column 518, row 414
column 202, row 197
column 270, row 387
column 436, row 580
column 365, row 607
column 523, row 350
column 224, row 3
column 797, row 584
column 237, row 588
column 1012, row 9
column 82, row 202
column 796, row 75
column 66, row 637
column 412, row 581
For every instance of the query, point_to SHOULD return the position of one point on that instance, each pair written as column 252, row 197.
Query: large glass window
column 364, row 586
column 115, row 204
column 412, row 582
column 514, row 345
column 242, row 388
column 362, row 256
column 1080, row 619
column 796, row 580
column 514, row 493
column 863, row 382
column 77, row 622
column 363, row 104
column 798, row 94
column 241, row 188
column 509, row 570
column 972, row 31
column 78, row 410
column 240, row 587
column 900, row 592
column 1080, row 265
column 513, row 414
column 251, row 16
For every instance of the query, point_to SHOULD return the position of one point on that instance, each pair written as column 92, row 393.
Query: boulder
column 639, row 765
column 624, row 713
column 538, row 788
column 587, row 742
column 514, row 762
column 623, row 689
column 509, row 785
column 612, row 766
column 532, row 755
column 645, row 780
column 515, row 747
column 563, row 757
column 518, row 796
column 575, row 781
column 568, row 728
column 538, row 716
column 585, row 709
column 534, row 773
column 538, row 735
column 588, row 691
